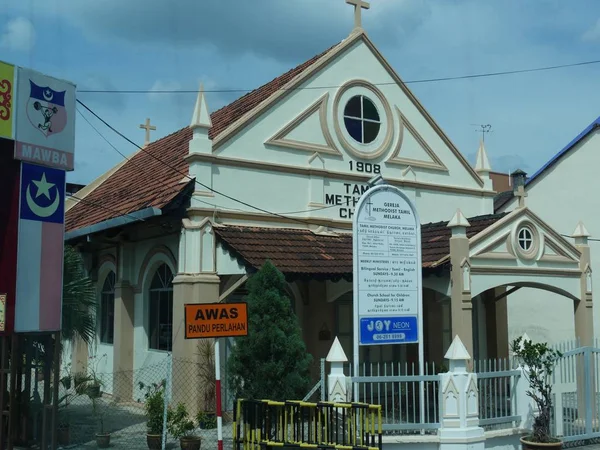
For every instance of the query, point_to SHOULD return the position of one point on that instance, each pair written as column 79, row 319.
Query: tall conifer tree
column 272, row 361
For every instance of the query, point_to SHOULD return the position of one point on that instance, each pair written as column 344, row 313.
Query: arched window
column 107, row 309
column 161, row 309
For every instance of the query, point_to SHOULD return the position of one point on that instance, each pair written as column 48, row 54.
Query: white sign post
column 388, row 295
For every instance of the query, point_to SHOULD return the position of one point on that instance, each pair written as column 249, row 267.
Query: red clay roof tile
column 144, row 181
column 296, row 251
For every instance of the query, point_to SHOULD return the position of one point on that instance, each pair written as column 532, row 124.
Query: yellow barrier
column 261, row 424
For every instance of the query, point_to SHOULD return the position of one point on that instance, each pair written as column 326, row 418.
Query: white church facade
column 275, row 175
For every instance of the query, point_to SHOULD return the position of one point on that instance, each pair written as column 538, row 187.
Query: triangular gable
column 426, row 156
column 424, row 112
column 308, row 122
column 504, row 241
column 420, row 154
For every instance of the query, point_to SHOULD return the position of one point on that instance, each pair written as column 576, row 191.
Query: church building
column 546, row 194
column 275, row 175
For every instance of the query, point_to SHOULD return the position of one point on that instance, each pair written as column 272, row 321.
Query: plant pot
column 154, row 441
column 207, row 420
column 93, row 391
column 63, row 435
column 528, row 445
column 103, row 440
column 190, row 443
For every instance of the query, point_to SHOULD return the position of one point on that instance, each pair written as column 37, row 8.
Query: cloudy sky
column 241, row 44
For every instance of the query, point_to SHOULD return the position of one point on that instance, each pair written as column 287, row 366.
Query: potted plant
column 207, row 417
column 67, row 378
column 102, row 437
column 154, row 405
column 80, row 381
column 538, row 361
column 206, row 420
column 94, row 384
column 181, row 427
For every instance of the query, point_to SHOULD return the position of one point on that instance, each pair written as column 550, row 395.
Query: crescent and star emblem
column 43, row 188
column 48, row 95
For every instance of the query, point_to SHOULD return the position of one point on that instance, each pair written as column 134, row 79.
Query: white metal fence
column 496, row 381
column 397, row 388
column 576, row 393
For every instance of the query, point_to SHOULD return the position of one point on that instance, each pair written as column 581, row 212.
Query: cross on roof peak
column 147, row 127
column 359, row 5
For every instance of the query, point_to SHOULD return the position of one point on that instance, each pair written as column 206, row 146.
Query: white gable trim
column 319, row 65
column 396, row 157
column 280, row 139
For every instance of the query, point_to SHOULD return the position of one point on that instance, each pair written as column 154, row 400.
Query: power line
column 280, row 215
column 129, row 159
column 304, row 222
column 417, row 81
column 89, row 202
column 589, row 239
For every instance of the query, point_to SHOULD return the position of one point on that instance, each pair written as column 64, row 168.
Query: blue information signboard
column 388, row 330
column 387, row 269
column 388, row 300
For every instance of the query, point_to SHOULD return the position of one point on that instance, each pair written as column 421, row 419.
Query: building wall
column 437, row 193
column 141, row 259
column 562, row 196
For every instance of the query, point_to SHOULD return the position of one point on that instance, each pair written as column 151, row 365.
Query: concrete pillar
column 461, row 305
column 501, row 323
column 459, row 403
column 123, row 341
column 584, row 332
column 79, row 356
column 196, row 282
column 490, row 324
column 584, row 321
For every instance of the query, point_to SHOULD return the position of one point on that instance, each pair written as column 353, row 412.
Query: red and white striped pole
column 218, row 396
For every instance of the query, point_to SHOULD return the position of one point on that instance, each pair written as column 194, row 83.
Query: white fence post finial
column 337, row 388
column 459, row 402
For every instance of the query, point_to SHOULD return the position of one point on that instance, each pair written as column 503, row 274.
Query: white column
column 459, row 405
column 525, row 406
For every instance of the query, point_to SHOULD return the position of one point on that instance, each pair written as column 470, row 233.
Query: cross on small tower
column 147, row 127
column 359, row 5
column 521, row 194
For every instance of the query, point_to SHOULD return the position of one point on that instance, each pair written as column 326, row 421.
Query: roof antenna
column 483, row 129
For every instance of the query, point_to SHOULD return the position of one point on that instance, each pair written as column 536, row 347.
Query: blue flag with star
column 42, row 193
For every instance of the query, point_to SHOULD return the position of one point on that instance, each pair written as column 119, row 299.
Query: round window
column 525, row 239
column 361, row 119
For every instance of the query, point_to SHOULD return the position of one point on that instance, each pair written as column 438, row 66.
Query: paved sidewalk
column 587, row 447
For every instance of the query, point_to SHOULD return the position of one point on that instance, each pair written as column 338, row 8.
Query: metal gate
column 576, row 395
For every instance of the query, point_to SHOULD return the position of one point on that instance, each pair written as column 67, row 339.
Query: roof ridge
column 215, row 113
column 316, row 57
column 566, row 149
column 472, row 218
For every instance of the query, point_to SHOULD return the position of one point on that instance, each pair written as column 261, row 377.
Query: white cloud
column 592, row 33
column 159, row 85
column 285, row 30
column 18, row 35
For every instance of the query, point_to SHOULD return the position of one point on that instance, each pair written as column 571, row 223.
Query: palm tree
column 79, row 300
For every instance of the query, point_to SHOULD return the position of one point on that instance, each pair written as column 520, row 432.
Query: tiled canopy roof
column 143, row 181
column 298, row 252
